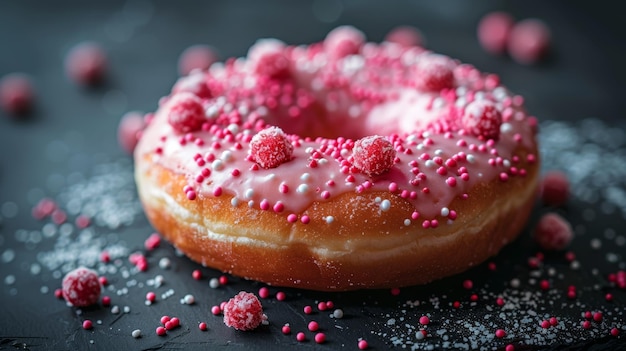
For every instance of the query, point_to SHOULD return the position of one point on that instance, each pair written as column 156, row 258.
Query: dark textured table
column 66, row 150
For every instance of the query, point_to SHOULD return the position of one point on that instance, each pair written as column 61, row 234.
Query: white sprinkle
column 115, row 309
column 217, row 165
column 126, row 309
column 233, row 128
column 302, row 188
column 515, row 283
column 506, row 163
column 249, row 194
column 227, row 155
column 407, row 222
column 136, row 333
column 305, row 177
column 234, row 201
column 329, row 219
column 251, row 203
column 430, row 163
column 214, row 283
column 505, row 128
column 385, row 205
column 189, row 299
column 445, row 212
column 165, row 263
column 338, row 313
column 158, row 280
column 419, row 335
column 471, row 158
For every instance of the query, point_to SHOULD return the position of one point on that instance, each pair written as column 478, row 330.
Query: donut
column 339, row 165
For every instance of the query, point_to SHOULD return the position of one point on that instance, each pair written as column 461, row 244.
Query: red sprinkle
column 553, row 232
column 87, row 324
column 555, row 188
column 196, row 274
column 160, row 331
column 243, row 311
column 81, row 287
column 151, row 296
column 468, row 284
column 203, row 326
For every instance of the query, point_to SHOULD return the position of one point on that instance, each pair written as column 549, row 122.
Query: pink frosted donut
column 339, row 165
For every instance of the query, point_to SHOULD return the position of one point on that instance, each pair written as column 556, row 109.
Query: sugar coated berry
column 482, row 118
column 373, row 155
column 267, row 57
column 199, row 57
column 434, row 73
column 129, row 130
column 86, row 63
column 553, row 232
column 243, row 311
column 16, row 93
column 81, row 287
column 554, row 188
column 185, row 112
column 270, row 148
column 343, row 41
column 493, row 31
column 405, row 36
column 529, row 41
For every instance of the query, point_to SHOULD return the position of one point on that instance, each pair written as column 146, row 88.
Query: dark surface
column 72, row 133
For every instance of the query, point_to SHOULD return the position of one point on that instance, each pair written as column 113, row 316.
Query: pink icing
column 324, row 105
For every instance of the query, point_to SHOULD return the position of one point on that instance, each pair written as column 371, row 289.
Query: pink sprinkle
column 217, row 192
column 608, row 297
column 278, row 207
column 405, row 36
column 553, row 321
column 175, row 322
column 362, row 344
column 305, row 219
column 292, row 218
column 586, row 325
column 216, row 310
column 597, row 316
column 493, row 31
column 529, row 41
column 264, row 292
column 286, row 329
column 160, row 331
column 264, row 205
column 320, row 338
column 199, row 57
column 500, row 333
column 308, row 309
column 165, row 319
column 103, row 280
column 16, row 94
column 426, row 224
column 82, row 221
column 223, row 280
column 451, row 181
column 106, row 301
column 322, row 306
column 509, row 347
column 614, row 332
column 553, row 232
column 545, row 324
column 504, row 177
column 281, row 296
column 86, row 63
column 129, row 129
column 424, row 320
column 313, row 326
column 500, row 301
column 87, row 324
column 151, row 296
column 544, row 284
column 468, row 284
column 152, row 242
column 300, row 337
column 395, row 291
column 203, row 326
